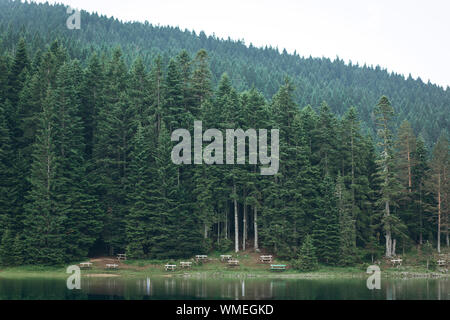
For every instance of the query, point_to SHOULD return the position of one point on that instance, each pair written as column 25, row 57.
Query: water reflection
column 207, row 288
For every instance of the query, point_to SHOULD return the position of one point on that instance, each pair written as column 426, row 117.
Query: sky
column 404, row 36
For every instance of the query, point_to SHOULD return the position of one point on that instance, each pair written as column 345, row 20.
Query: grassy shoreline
column 212, row 270
column 249, row 267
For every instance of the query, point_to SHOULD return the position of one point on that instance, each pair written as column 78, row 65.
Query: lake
column 235, row 289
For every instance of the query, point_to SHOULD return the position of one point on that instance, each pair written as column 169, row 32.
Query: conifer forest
column 86, row 118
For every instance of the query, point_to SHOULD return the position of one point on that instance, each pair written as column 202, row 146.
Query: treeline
column 86, row 168
column 425, row 105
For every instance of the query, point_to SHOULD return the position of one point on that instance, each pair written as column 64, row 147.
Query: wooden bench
column 441, row 262
column 86, row 265
column 170, row 267
column 396, row 261
column 266, row 259
column 121, row 256
column 201, row 257
column 112, row 266
column 185, row 264
column 277, row 267
column 225, row 257
column 233, row 263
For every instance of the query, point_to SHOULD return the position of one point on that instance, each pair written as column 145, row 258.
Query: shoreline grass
column 143, row 268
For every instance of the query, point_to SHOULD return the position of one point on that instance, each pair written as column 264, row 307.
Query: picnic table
column 277, row 267
column 441, row 262
column 201, row 257
column 170, row 267
column 396, row 261
column 112, row 266
column 266, row 259
column 86, row 265
column 121, row 256
column 185, row 264
column 225, row 257
column 233, row 263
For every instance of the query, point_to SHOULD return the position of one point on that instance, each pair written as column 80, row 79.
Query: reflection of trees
column 204, row 288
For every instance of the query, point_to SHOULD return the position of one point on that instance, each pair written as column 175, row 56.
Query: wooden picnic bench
column 86, row 265
column 266, row 259
column 441, row 262
column 396, row 261
column 233, row 263
column 225, row 257
column 185, row 264
column 112, row 266
column 201, row 257
column 121, row 256
column 277, row 267
column 170, row 267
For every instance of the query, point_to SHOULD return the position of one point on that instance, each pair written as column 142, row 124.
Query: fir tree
column 438, row 183
column 306, row 259
column 326, row 235
column 389, row 185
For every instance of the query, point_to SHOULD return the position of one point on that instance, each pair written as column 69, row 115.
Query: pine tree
column 306, row 259
column 420, row 175
column 4, row 73
column 438, row 182
column 327, row 133
column 201, row 81
column 140, row 93
column 6, row 246
column 157, row 94
column 72, row 197
column 111, row 152
column 347, row 230
column 16, row 80
column 17, row 251
column 285, row 217
column 138, row 219
column 92, row 100
column 256, row 113
column 44, row 224
column 8, row 192
column 326, row 235
column 389, row 185
column 174, row 111
column 406, row 149
column 163, row 226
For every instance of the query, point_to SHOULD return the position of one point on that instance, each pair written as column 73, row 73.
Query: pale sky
column 404, row 36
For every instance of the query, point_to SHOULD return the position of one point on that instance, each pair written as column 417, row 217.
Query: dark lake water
column 193, row 288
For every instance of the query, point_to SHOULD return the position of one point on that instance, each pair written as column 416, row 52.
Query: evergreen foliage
column 85, row 148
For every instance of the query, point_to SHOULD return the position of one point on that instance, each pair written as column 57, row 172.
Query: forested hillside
column 85, row 148
column 425, row 106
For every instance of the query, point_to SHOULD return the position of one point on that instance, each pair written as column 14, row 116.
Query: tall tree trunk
column 394, row 244
column 244, row 227
column 439, row 215
column 353, row 175
column 218, row 229
column 226, row 220
column 446, row 229
column 409, row 166
column 236, row 222
column 388, row 234
column 420, row 216
column 255, row 225
column 447, row 239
